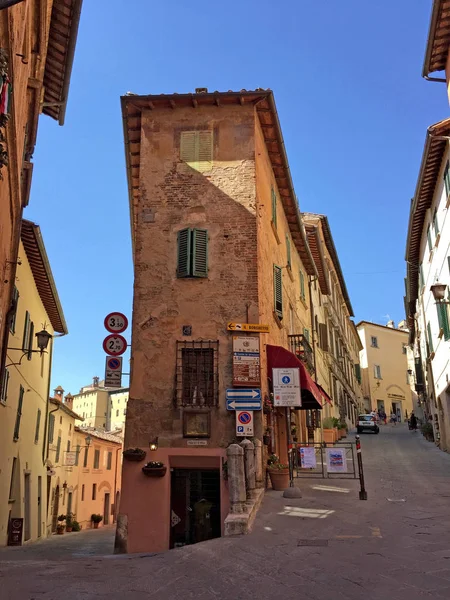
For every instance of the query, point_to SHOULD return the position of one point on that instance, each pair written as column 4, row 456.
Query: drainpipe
column 115, row 484
column 438, row 79
column 311, row 305
column 47, row 412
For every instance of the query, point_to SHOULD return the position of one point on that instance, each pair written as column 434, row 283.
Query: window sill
column 303, row 301
column 85, row 470
column 441, row 333
column 275, row 232
column 436, row 243
column 448, row 201
column 430, row 258
column 431, row 356
column 277, row 320
column 289, row 272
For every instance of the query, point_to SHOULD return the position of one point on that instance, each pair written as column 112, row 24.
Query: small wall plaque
column 197, row 442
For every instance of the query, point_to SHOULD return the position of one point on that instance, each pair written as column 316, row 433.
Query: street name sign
column 243, row 399
column 244, row 423
column 246, row 361
column 116, row 322
column 113, row 371
column 286, row 387
column 255, row 327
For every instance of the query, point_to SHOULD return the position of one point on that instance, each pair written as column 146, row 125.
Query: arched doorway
column 55, row 509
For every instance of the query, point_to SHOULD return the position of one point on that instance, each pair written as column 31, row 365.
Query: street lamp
column 43, row 337
column 438, row 291
column 88, row 441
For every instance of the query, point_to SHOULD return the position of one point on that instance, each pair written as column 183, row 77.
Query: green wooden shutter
column 19, row 414
column 184, row 253
column 306, row 333
column 447, row 178
column 421, row 279
column 288, row 251
column 435, row 223
column 77, row 456
column 443, row 319
column 358, row 373
column 14, row 304
column 51, row 428
column 274, row 207
column 4, row 386
column 302, row 285
column 430, row 339
column 200, row 253
column 188, row 145
column 38, row 425
column 58, row 449
column 278, row 291
column 30, row 342
column 26, row 332
column 430, row 243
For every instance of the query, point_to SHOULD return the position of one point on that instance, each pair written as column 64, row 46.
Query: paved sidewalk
column 328, row 545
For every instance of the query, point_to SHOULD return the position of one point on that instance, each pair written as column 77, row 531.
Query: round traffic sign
column 286, row 379
column 114, row 345
column 114, row 363
column 244, row 418
column 116, row 322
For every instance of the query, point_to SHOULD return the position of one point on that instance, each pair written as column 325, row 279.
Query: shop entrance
column 194, row 506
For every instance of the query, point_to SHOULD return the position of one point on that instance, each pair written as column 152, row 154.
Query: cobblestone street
column 328, row 545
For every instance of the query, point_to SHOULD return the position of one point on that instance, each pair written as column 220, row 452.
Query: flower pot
column 329, row 436
column 266, row 440
column 60, row 530
column 134, row 456
column 68, row 528
column 154, row 471
column 279, row 479
column 96, row 525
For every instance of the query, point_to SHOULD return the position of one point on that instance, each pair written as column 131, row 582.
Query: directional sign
column 113, row 371
column 246, row 360
column 255, row 327
column 244, row 423
column 243, row 399
column 116, row 322
column 114, row 345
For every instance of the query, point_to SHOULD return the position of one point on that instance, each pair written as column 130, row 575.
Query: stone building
column 217, row 239
column 37, row 44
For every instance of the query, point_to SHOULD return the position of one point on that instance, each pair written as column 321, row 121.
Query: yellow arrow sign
column 255, row 327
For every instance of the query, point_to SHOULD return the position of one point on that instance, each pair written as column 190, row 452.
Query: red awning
column 280, row 358
column 326, row 397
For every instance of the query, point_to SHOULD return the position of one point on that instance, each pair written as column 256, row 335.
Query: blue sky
column 353, row 108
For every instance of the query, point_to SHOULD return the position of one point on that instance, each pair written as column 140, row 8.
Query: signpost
column 116, row 322
column 255, row 327
column 246, row 361
column 70, row 459
column 113, row 371
column 243, row 399
column 114, row 345
column 15, row 532
column 286, row 387
column 244, row 423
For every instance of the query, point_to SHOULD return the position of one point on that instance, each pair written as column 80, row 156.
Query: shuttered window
column 443, row 319
column 4, row 386
column 430, row 243
column 109, row 461
column 358, row 373
column 306, row 333
column 196, row 149
column 19, row 414
column 421, row 279
column 30, row 342
column 435, row 223
column 323, row 336
column 274, row 206
column 58, row 449
column 14, row 304
column 302, row 286
column 77, row 457
column 38, row 425
column 26, row 332
column 86, row 455
column 377, row 371
column 278, row 291
column 430, row 339
column 51, row 428
column 192, row 258
column 96, row 459
column 288, row 251
column 447, row 179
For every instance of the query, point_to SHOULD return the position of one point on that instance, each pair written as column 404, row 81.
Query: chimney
column 59, row 392
column 201, row 90
column 95, row 382
column 68, row 401
column 391, row 324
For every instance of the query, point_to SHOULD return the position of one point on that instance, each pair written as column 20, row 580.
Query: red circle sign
column 114, row 345
column 116, row 322
column 244, row 418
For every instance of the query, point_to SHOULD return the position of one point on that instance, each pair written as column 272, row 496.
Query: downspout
column 311, row 305
column 115, row 486
column 438, row 79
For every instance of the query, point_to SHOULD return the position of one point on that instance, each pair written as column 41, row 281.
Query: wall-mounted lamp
column 438, row 291
column 64, row 485
column 154, row 444
column 42, row 339
column 410, row 372
column 88, row 441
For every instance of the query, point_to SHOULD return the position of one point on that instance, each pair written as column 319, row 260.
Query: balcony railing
column 299, row 346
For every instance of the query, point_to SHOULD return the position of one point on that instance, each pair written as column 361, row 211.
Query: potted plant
column 278, row 473
column 70, row 517
column 294, row 433
column 343, row 428
column 76, row 526
column 96, row 519
column 329, row 431
column 60, row 527
column 267, row 404
column 267, row 436
column 427, row 431
column 154, row 468
column 134, row 454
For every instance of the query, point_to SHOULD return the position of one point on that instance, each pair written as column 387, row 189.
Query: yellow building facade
column 25, row 390
column 384, row 365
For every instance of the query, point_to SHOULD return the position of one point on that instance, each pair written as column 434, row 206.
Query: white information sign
column 70, row 459
column 308, row 457
column 336, row 460
column 286, row 387
column 244, row 423
column 246, row 362
column 113, row 371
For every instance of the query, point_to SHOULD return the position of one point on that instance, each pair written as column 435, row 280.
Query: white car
column 367, row 423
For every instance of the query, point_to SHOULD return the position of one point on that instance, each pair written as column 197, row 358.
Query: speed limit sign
column 116, row 322
column 114, row 345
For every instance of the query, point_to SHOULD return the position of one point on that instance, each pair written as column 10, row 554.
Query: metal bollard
column 362, row 492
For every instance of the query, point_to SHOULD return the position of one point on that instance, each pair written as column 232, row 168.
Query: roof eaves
column 66, row 409
column 435, row 20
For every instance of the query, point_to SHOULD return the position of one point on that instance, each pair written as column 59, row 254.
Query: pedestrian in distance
column 393, row 418
column 413, row 421
column 384, row 417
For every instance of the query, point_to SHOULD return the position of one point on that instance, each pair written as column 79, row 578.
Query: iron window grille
column 197, row 373
column 300, row 346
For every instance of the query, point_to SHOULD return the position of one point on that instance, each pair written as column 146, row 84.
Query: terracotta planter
column 68, row 528
column 96, row 525
column 279, row 479
column 329, row 436
column 134, row 456
column 60, row 530
column 154, row 472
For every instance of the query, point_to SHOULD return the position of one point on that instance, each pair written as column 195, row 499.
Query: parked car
column 367, row 423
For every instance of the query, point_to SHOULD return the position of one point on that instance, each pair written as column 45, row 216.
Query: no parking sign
column 244, row 423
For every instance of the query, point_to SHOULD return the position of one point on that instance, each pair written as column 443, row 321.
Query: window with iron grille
column 197, row 373
column 96, row 459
